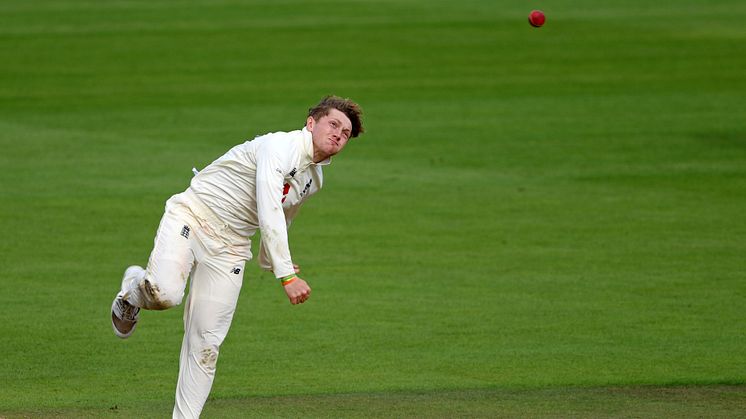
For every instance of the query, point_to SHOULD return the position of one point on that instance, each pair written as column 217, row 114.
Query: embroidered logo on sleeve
column 307, row 187
column 185, row 231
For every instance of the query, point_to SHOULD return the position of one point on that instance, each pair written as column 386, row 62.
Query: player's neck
column 318, row 155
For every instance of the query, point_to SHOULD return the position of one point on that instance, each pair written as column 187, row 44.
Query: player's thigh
column 213, row 294
column 172, row 258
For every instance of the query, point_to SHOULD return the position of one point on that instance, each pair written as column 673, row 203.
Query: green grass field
column 538, row 222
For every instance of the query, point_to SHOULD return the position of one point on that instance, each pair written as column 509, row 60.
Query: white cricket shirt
column 261, row 184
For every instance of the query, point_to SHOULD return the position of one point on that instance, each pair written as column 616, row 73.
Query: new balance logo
column 185, row 231
column 293, row 172
column 236, row 271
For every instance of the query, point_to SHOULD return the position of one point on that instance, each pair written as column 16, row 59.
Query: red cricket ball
column 536, row 18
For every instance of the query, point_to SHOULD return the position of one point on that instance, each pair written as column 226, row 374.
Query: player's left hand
column 297, row 291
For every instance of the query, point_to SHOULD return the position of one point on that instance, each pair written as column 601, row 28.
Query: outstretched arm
column 273, row 227
column 272, row 224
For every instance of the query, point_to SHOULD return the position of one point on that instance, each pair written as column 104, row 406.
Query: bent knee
column 209, row 357
column 159, row 297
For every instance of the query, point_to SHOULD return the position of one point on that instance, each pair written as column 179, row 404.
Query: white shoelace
column 127, row 311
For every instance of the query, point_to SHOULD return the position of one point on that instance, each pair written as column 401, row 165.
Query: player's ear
column 310, row 122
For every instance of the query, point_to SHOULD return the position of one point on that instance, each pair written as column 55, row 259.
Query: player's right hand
column 297, row 291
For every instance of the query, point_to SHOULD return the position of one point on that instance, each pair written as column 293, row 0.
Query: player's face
column 330, row 133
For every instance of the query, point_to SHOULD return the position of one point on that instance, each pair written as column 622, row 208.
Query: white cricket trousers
column 192, row 243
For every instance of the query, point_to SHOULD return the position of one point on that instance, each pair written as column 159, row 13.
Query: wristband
column 285, row 280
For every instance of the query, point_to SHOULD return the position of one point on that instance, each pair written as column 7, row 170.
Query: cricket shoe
column 123, row 317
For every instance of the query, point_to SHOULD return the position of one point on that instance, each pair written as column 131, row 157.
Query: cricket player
column 205, row 233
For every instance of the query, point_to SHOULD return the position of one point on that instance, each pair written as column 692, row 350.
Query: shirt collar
column 308, row 150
